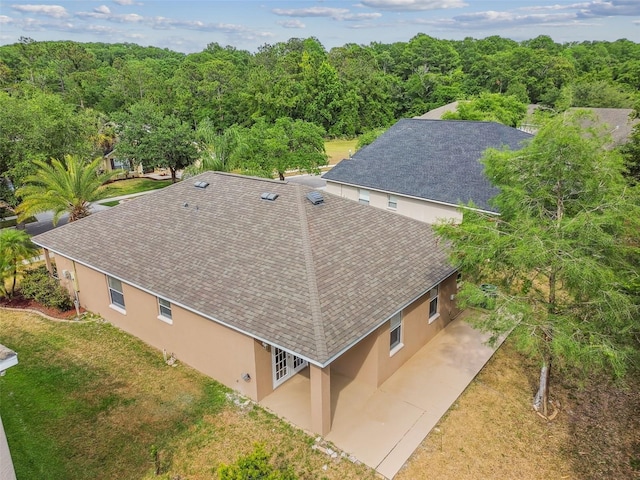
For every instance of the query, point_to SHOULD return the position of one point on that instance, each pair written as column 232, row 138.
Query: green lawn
column 339, row 149
column 133, row 185
column 87, row 401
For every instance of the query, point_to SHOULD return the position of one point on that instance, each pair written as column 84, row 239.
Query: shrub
column 38, row 285
column 254, row 466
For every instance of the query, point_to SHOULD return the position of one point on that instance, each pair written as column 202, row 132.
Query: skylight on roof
column 201, row 184
column 269, row 196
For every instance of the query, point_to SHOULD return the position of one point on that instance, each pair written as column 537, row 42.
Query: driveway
column 313, row 181
column 382, row 427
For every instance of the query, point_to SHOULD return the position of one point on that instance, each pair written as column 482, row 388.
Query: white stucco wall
column 416, row 208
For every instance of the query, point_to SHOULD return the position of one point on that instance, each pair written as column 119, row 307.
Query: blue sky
column 188, row 26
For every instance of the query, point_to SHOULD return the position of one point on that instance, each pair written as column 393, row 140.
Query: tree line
column 65, row 97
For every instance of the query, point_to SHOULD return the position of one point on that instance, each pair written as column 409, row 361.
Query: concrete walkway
column 383, row 427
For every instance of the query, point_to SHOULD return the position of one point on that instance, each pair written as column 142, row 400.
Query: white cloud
column 311, row 12
column 55, row 11
column 4, row 20
column 600, row 8
column 334, row 13
column 291, row 23
column 509, row 18
column 413, row 5
column 102, row 9
column 361, row 16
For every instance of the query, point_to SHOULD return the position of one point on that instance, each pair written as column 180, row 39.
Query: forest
column 66, row 98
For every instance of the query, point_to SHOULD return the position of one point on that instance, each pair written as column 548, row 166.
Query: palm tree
column 219, row 150
column 15, row 246
column 67, row 187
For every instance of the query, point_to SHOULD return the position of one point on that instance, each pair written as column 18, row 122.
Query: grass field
column 89, row 401
column 133, row 185
column 339, row 149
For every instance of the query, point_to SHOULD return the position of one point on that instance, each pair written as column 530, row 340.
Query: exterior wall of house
column 418, row 209
column 371, row 360
column 211, row 348
column 226, row 355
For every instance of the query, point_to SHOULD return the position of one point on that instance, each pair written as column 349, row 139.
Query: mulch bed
column 20, row 302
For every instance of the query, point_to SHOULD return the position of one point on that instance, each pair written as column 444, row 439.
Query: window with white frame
column 164, row 306
column 363, row 196
column 392, row 201
column 433, row 304
column 395, row 333
column 115, row 292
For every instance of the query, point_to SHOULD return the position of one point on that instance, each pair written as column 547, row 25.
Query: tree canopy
column 62, row 187
column 563, row 252
column 58, row 97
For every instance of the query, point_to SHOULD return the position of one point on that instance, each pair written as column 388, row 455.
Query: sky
column 189, row 26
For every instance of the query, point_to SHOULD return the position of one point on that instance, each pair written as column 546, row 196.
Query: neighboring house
column 424, row 169
column 436, row 113
column 617, row 121
column 8, row 358
column 251, row 290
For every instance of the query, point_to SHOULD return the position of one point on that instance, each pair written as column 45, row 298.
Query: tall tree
column 288, row 144
column 494, row 107
column 150, row 138
column 41, row 126
column 561, row 251
column 62, row 187
column 15, row 246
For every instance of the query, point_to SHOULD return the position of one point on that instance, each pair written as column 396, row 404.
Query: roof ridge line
column 314, row 298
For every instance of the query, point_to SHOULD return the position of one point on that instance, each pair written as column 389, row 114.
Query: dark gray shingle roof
column 310, row 279
column 431, row 159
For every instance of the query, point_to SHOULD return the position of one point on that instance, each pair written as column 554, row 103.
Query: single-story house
column 251, row 281
column 8, row 358
column 424, row 169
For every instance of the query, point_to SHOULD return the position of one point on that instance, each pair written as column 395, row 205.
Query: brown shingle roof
column 312, row 279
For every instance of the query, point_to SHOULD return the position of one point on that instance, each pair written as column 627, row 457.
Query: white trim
column 435, row 297
column 396, row 349
column 165, row 319
column 364, row 196
column 117, row 308
column 404, row 195
column 395, row 323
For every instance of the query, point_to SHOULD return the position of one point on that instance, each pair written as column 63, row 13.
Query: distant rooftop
column 435, row 160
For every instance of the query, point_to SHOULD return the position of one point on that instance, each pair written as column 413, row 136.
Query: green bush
column 254, row 466
column 38, row 285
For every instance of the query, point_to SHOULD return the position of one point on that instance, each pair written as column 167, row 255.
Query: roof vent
column 315, row 197
column 201, row 184
column 269, row 196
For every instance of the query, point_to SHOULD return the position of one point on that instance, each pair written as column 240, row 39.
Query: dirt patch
column 492, row 432
column 22, row 303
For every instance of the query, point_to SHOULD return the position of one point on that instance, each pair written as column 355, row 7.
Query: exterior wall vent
column 315, row 197
column 269, row 196
column 201, row 184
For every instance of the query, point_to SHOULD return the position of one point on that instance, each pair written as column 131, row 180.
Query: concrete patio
column 382, row 427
